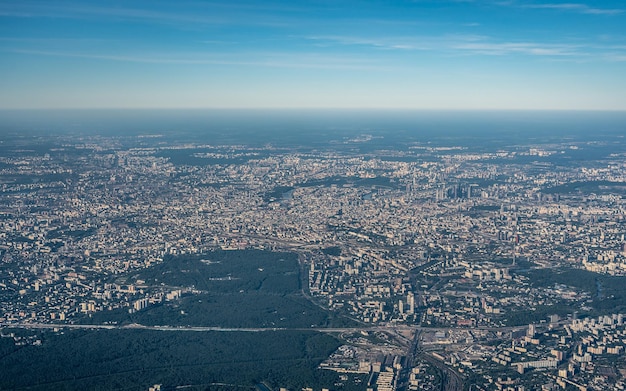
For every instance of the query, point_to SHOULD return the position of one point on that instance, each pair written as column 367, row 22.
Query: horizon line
column 307, row 108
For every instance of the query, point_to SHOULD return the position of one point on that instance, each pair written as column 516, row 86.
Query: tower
column 410, row 299
column 531, row 331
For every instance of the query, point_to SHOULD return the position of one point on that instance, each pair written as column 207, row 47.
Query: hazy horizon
column 317, row 127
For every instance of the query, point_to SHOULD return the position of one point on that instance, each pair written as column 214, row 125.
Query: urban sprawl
column 433, row 250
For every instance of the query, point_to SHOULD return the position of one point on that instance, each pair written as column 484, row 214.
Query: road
column 451, row 380
column 411, row 356
column 384, row 328
column 136, row 326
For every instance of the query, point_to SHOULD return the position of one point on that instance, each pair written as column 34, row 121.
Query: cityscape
column 431, row 265
column 236, row 195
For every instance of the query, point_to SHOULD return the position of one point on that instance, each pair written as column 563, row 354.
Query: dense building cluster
column 424, row 237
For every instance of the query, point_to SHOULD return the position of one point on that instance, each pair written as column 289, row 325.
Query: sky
column 420, row 54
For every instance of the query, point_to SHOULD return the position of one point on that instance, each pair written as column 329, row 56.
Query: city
column 236, row 195
column 453, row 266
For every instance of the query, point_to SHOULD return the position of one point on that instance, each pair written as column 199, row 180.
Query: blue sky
column 421, row 54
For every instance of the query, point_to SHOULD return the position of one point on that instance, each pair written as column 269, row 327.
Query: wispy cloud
column 55, row 40
column 474, row 44
column 323, row 53
column 527, row 48
column 575, row 7
column 424, row 43
column 77, row 11
column 271, row 60
column 479, row 45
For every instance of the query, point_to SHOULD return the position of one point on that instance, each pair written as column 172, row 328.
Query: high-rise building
column 410, row 299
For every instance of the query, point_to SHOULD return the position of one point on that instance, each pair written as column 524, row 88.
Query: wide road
column 418, row 329
column 411, row 356
column 136, row 326
column 451, row 380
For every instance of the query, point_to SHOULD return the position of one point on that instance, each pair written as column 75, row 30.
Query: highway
column 136, row 326
column 384, row 328
column 451, row 380
column 411, row 356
